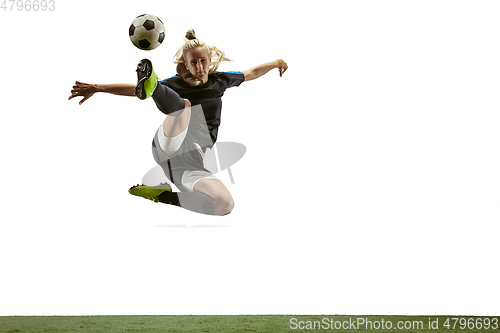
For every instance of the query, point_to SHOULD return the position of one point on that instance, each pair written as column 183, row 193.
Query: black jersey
column 208, row 95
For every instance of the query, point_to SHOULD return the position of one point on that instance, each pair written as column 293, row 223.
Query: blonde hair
column 191, row 42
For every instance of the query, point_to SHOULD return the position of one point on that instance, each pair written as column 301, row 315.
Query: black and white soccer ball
column 147, row 32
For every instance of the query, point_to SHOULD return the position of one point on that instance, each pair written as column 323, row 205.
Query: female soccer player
column 192, row 102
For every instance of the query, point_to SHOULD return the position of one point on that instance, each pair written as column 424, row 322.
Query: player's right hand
column 83, row 89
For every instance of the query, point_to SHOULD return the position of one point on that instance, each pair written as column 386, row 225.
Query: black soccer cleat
column 146, row 79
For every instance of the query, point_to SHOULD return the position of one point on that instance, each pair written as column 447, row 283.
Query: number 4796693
column 471, row 323
column 28, row 5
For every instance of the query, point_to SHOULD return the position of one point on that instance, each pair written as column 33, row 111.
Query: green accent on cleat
column 151, row 193
column 146, row 79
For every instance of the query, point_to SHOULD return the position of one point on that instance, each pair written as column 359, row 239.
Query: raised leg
column 174, row 125
column 178, row 110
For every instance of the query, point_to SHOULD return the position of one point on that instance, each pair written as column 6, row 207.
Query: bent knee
column 223, row 204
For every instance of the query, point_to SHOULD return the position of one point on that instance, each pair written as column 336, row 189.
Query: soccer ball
column 147, row 32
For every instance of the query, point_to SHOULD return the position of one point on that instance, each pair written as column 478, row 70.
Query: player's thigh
column 216, row 189
column 174, row 125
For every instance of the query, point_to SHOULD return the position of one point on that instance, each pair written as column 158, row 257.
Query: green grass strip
column 250, row 323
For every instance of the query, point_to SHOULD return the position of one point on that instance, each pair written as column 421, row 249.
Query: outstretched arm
column 86, row 90
column 258, row 71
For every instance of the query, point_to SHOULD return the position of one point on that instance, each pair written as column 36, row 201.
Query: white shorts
column 170, row 146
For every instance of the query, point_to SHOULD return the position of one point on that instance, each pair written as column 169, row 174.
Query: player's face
column 197, row 62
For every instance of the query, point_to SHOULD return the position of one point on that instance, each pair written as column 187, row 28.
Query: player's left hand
column 282, row 66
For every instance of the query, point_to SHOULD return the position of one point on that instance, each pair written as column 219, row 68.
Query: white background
column 370, row 184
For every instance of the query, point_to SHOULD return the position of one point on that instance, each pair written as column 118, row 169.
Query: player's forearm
column 122, row 89
column 257, row 71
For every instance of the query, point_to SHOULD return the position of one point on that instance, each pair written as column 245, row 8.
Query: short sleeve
column 232, row 79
